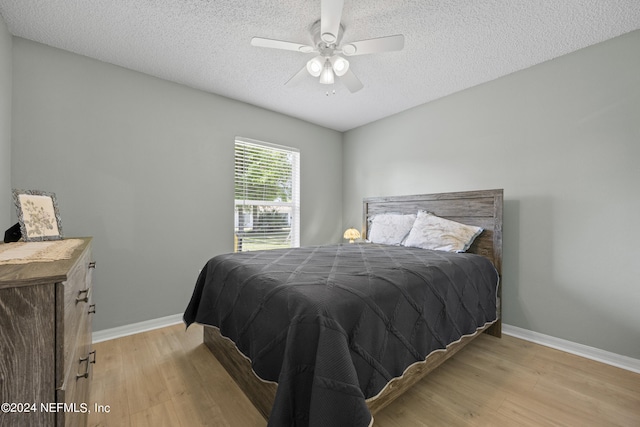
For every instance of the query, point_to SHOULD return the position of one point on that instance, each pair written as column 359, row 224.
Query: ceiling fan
column 327, row 37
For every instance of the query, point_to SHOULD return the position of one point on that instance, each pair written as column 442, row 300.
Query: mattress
column 332, row 325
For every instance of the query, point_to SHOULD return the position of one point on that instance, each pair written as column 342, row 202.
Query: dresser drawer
column 77, row 293
column 77, row 302
column 75, row 389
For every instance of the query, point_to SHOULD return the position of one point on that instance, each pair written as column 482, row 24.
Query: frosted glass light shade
column 326, row 77
column 340, row 65
column 315, row 66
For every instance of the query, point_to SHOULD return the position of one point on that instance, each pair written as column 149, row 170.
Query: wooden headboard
column 480, row 208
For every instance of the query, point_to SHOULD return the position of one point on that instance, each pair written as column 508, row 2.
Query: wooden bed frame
column 481, row 208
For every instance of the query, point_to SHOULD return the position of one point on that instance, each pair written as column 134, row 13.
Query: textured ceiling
column 450, row 45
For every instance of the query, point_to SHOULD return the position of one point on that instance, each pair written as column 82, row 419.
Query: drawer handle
column 92, row 309
column 86, row 371
column 86, row 296
column 86, row 359
column 92, row 264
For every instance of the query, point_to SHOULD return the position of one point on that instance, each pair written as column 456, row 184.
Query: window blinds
column 267, row 196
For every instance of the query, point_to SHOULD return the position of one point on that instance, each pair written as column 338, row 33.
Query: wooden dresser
column 45, row 341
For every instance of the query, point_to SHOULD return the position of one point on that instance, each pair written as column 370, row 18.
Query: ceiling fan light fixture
column 340, row 65
column 330, row 61
column 315, row 66
column 326, row 77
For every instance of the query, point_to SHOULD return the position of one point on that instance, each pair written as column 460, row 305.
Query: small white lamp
column 351, row 234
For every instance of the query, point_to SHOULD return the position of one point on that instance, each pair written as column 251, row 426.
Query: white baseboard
column 136, row 328
column 624, row 362
column 592, row 353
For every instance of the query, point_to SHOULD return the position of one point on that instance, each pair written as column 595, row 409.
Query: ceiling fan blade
column 380, row 44
column 330, row 16
column 351, row 81
column 297, row 76
column 279, row 44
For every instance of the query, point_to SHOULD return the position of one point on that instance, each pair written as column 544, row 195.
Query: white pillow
column 390, row 229
column 432, row 232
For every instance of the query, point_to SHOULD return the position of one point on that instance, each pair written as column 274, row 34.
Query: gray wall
column 146, row 167
column 6, row 204
column 563, row 140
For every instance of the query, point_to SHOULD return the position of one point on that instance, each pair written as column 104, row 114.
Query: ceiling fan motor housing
column 325, row 49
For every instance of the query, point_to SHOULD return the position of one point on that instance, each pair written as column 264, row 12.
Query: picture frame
column 38, row 215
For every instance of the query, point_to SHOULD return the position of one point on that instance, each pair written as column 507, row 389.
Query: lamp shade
column 351, row 234
column 340, row 65
column 315, row 66
column 326, row 77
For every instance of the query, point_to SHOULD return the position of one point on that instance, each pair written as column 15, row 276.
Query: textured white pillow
column 390, row 229
column 432, row 232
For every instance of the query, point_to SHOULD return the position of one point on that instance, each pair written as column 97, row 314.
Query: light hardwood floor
column 167, row 377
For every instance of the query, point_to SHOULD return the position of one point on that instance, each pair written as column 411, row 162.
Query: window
column 267, row 196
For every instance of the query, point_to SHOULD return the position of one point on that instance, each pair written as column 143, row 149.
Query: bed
column 330, row 335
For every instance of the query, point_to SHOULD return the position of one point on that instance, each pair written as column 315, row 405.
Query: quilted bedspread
column 333, row 324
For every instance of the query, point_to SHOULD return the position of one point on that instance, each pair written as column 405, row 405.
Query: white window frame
column 249, row 238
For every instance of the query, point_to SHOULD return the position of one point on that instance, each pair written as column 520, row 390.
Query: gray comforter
column 333, row 324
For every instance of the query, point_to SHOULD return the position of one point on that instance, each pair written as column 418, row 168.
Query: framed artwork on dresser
column 38, row 215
